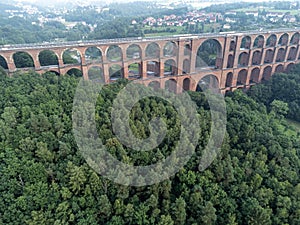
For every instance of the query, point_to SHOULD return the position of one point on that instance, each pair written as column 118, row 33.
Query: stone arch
column 271, row 41
column 267, row 73
column 242, row 77
column 23, row 60
column 230, row 61
column 170, row 49
column 254, row 77
column 280, row 55
column 243, row 59
column 232, row 45
column 256, row 57
column 114, row 53
column 279, row 69
column 209, row 54
column 3, row 63
column 170, row 67
column 134, row 70
column 93, row 55
column 133, row 51
column 48, row 58
column 95, row 73
column 292, row 53
column 259, row 42
column 74, row 72
column 115, row 72
column 187, row 49
column 269, row 56
column 283, row 40
column 71, row 56
column 186, row 66
column 154, row 84
column 153, row 68
column 295, row 39
column 289, row 67
column 186, row 84
column 209, row 81
column 171, row 85
column 246, row 42
column 229, row 79
column 152, row 50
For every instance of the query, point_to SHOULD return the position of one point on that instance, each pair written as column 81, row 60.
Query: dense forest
column 45, row 180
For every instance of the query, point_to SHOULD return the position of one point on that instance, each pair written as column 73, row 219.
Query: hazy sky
column 51, row 2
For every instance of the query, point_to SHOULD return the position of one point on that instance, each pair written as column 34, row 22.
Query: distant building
column 252, row 13
column 226, row 26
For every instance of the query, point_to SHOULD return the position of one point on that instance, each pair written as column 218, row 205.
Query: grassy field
column 293, row 12
column 294, row 124
column 292, row 128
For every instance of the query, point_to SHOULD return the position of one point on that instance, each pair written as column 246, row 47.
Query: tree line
column 45, row 180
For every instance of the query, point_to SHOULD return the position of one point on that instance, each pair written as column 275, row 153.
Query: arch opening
column 71, row 56
column 208, row 82
column 230, row 61
column 48, row 58
column 74, row 72
column 154, row 84
column 153, row 69
column 23, row 60
column 269, row 56
column 134, row 70
column 209, row 54
column 232, row 45
column 95, row 73
column 289, row 67
column 243, row 59
column 283, row 40
column 280, row 55
column 256, row 58
column 292, row 54
column 229, row 79
column 187, row 49
column 115, row 72
column 267, row 73
column 171, row 85
column 271, row 41
column 186, row 66
column 114, row 53
column 153, row 50
column 3, row 63
column 170, row 49
column 254, row 77
column 246, row 42
column 295, row 39
column 93, row 55
column 133, row 52
column 242, row 77
column 170, row 67
column 279, row 69
column 259, row 42
column 186, row 84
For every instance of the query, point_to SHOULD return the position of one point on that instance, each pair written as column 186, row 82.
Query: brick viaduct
column 237, row 60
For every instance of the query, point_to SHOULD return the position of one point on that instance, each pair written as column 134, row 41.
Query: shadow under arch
column 48, row 58
column 23, row 60
column 3, row 63
column 74, row 72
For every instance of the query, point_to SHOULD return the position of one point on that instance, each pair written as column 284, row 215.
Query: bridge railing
column 138, row 39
